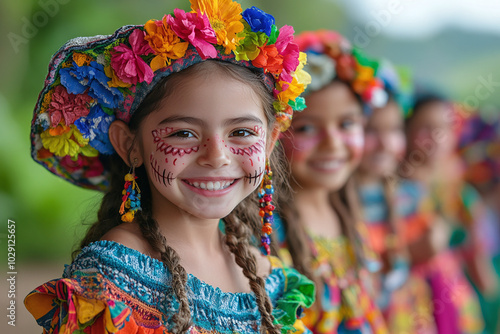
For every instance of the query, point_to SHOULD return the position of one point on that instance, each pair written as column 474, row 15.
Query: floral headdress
column 330, row 56
column 479, row 147
column 93, row 81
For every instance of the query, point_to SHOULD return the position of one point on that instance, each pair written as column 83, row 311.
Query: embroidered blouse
column 110, row 288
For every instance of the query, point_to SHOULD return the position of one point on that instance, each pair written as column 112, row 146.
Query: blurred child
column 175, row 120
column 479, row 147
column 404, row 298
column 320, row 232
column 441, row 218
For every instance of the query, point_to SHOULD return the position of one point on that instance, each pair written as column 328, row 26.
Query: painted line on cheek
column 255, row 177
column 160, row 175
column 251, row 162
column 175, row 161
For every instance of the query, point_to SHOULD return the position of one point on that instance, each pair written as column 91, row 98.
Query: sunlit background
column 451, row 46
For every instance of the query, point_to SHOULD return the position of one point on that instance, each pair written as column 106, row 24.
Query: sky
column 421, row 18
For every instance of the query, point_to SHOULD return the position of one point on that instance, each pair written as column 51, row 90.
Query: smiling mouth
column 210, row 185
column 328, row 165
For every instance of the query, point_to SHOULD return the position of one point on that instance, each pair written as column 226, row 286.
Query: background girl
column 321, row 233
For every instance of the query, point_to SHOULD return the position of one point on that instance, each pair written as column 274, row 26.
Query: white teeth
column 212, row 186
column 329, row 164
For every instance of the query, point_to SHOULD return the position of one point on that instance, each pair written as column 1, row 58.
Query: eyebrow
column 200, row 122
column 185, row 119
column 244, row 119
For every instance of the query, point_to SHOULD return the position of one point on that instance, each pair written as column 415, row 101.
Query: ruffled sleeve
column 83, row 305
column 299, row 293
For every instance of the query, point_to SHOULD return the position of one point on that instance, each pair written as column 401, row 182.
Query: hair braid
column 151, row 232
column 237, row 236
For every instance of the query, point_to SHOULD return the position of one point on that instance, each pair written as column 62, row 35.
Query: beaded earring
column 266, row 208
column 131, row 199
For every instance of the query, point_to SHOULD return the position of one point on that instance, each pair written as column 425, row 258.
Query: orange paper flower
column 166, row 44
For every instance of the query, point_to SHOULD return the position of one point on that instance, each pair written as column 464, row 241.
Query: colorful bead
column 131, row 199
column 266, row 209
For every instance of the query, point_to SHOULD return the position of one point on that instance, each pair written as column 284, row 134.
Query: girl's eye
column 305, row 129
column 347, row 123
column 182, row 134
column 242, row 133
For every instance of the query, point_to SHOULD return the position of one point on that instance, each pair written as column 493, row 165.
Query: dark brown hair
column 240, row 224
column 343, row 201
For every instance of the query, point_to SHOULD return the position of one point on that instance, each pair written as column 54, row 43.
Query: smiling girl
column 175, row 120
column 321, row 233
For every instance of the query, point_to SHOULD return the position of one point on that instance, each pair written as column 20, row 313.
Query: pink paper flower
column 127, row 63
column 290, row 52
column 67, row 106
column 195, row 28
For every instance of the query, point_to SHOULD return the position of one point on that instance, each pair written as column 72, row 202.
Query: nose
column 332, row 139
column 214, row 153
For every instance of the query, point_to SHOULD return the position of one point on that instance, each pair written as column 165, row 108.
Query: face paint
column 355, row 142
column 169, row 149
column 161, row 175
column 255, row 178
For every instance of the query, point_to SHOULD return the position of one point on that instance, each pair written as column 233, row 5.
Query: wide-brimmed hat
column 94, row 80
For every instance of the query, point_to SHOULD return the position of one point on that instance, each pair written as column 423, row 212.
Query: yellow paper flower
column 81, row 59
column 114, row 82
column 225, row 18
column 300, row 75
column 63, row 140
column 363, row 79
column 46, row 101
column 164, row 42
column 292, row 92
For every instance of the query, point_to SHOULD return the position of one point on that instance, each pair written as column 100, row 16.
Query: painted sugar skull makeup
column 204, row 148
column 325, row 141
column 385, row 141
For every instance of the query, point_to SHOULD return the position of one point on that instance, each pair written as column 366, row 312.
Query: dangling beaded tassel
column 131, row 199
column 266, row 208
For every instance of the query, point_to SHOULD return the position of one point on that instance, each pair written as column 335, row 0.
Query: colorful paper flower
column 225, row 18
column 95, row 128
column 67, row 107
column 127, row 62
column 269, row 59
column 78, row 79
column 165, row 43
column 259, row 20
column 322, row 70
column 63, row 140
column 195, row 28
column 289, row 51
column 249, row 46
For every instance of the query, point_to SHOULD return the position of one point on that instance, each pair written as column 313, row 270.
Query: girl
column 183, row 109
column 320, row 234
column 479, row 148
column 442, row 216
column 404, row 298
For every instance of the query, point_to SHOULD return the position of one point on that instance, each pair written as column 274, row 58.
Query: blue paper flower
column 259, row 20
column 95, row 128
column 77, row 79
